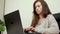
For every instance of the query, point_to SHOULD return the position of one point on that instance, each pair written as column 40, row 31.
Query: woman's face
column 38, row 8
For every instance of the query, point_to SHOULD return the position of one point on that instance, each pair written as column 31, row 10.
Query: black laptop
column 13, row 23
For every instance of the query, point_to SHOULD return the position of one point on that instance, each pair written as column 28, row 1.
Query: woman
column 43, row 21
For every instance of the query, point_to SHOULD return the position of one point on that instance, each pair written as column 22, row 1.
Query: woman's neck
column 40, row 16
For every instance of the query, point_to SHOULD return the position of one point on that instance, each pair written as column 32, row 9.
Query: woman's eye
column 38, row 6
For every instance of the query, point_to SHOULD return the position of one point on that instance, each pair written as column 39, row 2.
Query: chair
column 57, row 17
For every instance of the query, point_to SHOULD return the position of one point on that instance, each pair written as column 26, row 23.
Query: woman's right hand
column 28, row 29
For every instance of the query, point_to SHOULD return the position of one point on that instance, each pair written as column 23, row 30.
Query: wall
column 1, row 9
column 2, row 3
column 54, row 5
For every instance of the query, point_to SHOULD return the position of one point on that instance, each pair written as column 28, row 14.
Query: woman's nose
column 37, row 8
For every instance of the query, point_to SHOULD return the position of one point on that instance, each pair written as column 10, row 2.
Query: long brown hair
column 45, row 12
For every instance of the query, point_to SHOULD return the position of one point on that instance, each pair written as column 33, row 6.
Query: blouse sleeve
column 53, row 26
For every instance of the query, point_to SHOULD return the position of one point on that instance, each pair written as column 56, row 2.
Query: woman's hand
column 28, row 29
column 33, row 29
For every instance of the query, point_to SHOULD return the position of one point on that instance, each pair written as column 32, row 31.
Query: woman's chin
column 38, row 13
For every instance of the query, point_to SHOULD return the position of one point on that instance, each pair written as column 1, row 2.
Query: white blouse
column 48, row 26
